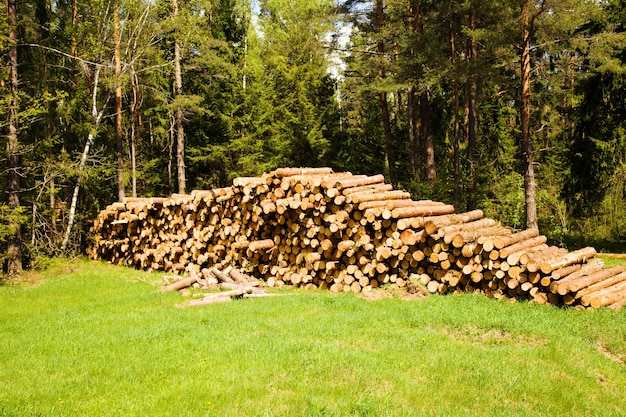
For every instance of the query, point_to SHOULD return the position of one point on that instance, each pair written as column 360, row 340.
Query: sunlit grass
column 96, row 340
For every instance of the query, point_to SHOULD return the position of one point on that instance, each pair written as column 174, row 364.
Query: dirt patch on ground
column 489, row 336
column 612, row 356
column 411, row 291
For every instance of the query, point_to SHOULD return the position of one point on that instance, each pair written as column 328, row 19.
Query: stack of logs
column 315, row 228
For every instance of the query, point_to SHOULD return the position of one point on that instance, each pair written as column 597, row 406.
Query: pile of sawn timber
column 315, row 228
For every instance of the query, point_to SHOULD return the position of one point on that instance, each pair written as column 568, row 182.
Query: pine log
column 562, row 285
column 178, row 285
column 472, row 225
column 419, row 210
column 521, row 245
column 501, row 243
column 606, row 296
column 563, row 272
column 579, row 256
column 617, row 305
column 371, row 196
column 605, row 283
column 289, row 172
column 365, row 188
column 585, row 281
column 261, row 245
column 356, row 182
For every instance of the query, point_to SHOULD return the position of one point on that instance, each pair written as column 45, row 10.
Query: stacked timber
column 316, row 228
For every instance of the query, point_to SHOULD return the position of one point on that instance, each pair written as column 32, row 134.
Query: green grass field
column 90, row 339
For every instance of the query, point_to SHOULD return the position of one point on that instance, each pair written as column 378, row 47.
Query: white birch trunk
column 83, row 159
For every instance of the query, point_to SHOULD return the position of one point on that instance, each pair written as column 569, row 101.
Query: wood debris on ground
column 235, row 283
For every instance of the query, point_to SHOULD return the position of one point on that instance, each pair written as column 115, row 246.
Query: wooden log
column 606, row 296
column 503, row 242
column 371, row 196
column 221, row 276
column 419, row 210
column 578, row 256
column 180, row 284
column 535, row 256
column 289, row 172
column 561, row 286
column 563, row 272
column 259, row 245
column 618, row 305
column 605, row 283
column 522, row 245
column 353, row 182
column 585, row 281
column 455, row 219
column 380, row 187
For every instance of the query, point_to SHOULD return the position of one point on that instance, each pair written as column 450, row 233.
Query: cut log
column 503, row 242
column 576, row 257
column 261, row 245
column 606, row 296
column 522, row 245
column 605, row 283
column 416, row 211
column 178, row 285
column 585, row 281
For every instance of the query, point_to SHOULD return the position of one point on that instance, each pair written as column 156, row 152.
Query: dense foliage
column 430, row 93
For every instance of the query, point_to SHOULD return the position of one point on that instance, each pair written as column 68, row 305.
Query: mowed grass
column 90, row 339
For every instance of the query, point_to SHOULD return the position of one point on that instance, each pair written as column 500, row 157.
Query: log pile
column 316, row 228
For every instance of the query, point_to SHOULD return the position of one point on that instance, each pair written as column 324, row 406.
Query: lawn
column 89, row 339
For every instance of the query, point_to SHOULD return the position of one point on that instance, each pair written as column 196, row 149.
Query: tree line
column 514, row 107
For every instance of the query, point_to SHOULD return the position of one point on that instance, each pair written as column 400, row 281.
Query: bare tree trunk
column 414, row 22
column 74, row 22
column 472, row 52
column 135, row 121
column 427, row 136
column 382, row 96
column 527, row 154
column 14, row 241
column 121, row 192
column 53, row 208
column 456, row 146
column 180, row 132
column 170, row 157
column 410, row 108
column 96, row 117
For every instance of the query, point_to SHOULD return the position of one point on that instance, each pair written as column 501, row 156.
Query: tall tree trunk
column 135, row 121
column 456, row 146
column 53, row 208
column 14, row 241
column 410, row 109
column 472, row 157
column 382, row 96
column 121, row 192
column 427, row 137
column 74, row 28
column 180, row 132
column 527, row 154
column 96, row 116
column 170, row 155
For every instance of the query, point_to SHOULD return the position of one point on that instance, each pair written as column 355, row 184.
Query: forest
column 517, row 108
